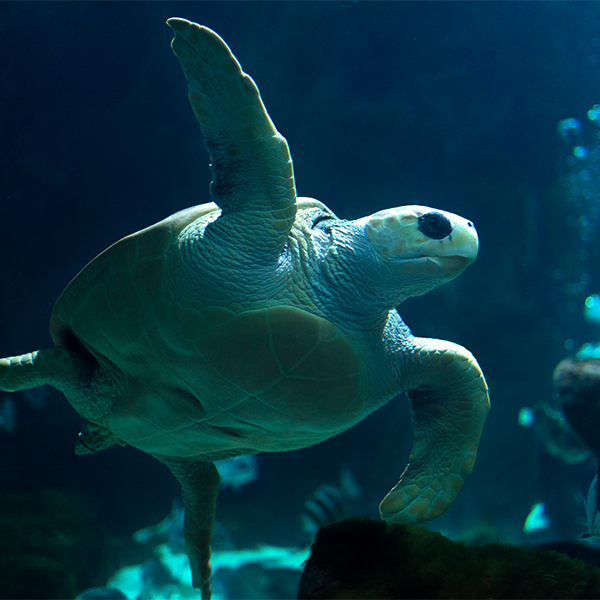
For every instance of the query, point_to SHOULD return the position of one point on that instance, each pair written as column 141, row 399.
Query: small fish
column 591, row 509
column 328, row 504
column 8, row 414
column 554, row 432
column 168, row 531
column 158, row 581
column 536, row 519
column 237, row 471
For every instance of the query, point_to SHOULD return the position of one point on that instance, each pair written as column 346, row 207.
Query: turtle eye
column 319, row 219
column 435, row 225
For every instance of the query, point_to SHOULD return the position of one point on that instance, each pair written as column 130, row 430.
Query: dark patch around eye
column 435, row 225
column 321, row 218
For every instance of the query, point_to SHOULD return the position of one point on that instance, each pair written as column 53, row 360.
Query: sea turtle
column 261, row 321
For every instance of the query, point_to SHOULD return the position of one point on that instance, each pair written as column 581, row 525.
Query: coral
column 362, row 558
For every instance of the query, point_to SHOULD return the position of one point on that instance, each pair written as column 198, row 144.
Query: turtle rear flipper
column 61, row 368
column 76, row 374
column 200, row 487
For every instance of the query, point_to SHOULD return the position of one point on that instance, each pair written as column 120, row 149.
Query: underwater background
column 455, row 105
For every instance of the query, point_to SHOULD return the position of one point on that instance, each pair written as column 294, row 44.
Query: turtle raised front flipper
column 449, row 403
column 253, row 177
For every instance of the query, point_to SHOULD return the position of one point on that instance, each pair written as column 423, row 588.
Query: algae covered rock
column 362, row 558
column 51, row 545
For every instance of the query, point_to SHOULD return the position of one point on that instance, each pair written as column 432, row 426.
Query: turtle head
column 370, row 265
column 420, row 248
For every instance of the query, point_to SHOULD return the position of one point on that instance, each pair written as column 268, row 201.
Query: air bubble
column 591, row 312
column 581, row 170
column 526, row 417
column 569, row 126
column 592, row 301
column 594, row 112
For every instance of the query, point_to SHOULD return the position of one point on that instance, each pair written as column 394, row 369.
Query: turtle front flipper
column 253, row 177
column 449, row 402
column 200, row 486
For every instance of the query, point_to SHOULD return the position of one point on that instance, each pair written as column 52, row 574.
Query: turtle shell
column 203, row 380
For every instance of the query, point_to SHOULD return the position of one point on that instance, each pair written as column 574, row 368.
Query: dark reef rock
column 362, row 558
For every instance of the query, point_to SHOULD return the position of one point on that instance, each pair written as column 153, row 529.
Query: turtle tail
column 449, row 402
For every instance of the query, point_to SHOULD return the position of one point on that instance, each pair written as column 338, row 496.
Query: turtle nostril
column 435, row 225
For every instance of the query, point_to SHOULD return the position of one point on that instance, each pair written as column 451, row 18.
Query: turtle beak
column 418, row 240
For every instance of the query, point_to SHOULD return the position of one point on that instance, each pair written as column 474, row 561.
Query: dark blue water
column 449, row 104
